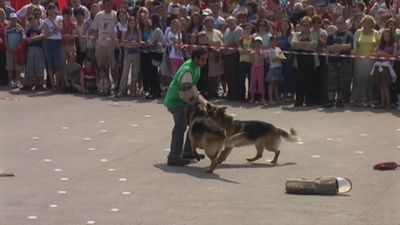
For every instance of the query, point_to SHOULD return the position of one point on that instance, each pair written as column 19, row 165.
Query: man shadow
column 197, row 172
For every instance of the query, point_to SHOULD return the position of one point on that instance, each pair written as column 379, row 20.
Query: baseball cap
column 258, row 38
column 13, row 16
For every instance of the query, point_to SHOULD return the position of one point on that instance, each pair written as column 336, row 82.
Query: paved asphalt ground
column 91, row 160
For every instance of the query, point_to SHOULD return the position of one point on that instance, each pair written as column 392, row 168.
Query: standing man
column 339, row 68
column 182, row 94
column 104, row 24
column 231, row 56
column 76, row 4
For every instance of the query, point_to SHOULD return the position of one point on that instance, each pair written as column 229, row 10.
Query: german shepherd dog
column 205, row 133
column 241, row 133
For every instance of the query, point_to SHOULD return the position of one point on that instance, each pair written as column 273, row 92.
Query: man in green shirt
column 181, row 95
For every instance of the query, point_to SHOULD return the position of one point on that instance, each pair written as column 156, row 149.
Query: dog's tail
column 235, row 139
column 292, row 137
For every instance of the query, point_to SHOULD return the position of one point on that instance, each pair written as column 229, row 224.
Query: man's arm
column 188, row 92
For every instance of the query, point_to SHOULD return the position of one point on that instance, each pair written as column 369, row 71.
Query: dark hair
column 122, row 11
column 383, row 44
column 155, row 21
column 273, row 38
column 51, row 6
column 79, row 11
column 253, row 7
column 198, row 52
column 67, row 11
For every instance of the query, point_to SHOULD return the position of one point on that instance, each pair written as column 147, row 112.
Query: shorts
column 105, row 56
column 338, row 76
column 274, row 75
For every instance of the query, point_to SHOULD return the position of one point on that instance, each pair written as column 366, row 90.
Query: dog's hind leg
column 260, row 149
column 213, row 154
column 224, row 154
column 277, row 152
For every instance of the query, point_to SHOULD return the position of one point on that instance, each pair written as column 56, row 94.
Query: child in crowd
column 88, row 77
column 383, row 71
column 174, row 38
column 13, row 38
column 72, row 74
column 257, row 57
column 274, row 76
column 103, row 82
column 35, row 61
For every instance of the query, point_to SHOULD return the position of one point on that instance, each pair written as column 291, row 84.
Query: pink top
column 258, row 57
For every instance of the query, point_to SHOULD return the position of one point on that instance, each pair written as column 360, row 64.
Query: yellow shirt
column 366, row 44
column 246, row 44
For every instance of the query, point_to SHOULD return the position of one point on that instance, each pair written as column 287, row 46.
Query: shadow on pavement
column 197, row 172
column 254, row 165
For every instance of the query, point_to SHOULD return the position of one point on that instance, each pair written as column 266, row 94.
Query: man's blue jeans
column 180, row 116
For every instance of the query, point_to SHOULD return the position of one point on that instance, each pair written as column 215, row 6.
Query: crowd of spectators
column 259, row 51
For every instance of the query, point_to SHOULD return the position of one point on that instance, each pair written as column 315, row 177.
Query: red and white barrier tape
column 219, row 48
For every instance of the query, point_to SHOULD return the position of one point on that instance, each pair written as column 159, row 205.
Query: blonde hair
column 368, row 18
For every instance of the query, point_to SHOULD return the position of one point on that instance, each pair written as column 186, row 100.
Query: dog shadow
column 197, row 172
column 250, row 165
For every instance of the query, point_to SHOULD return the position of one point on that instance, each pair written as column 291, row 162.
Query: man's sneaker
column 190, row 155
column 177, row 161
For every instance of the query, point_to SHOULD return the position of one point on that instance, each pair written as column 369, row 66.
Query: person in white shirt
column 104, row 24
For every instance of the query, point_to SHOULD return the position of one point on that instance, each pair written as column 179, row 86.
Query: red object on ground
column 17, row 4
column 386, row 166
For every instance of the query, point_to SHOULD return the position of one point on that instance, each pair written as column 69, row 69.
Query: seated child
column 72, row 74
column 103, row 83
column 88, row 77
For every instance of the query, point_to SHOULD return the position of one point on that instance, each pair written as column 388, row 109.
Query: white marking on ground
column 126, row 193
column 134, row 125
column 62, row 192
column 104, row 160
column 32, row 217
column 35, row 138
column 91, row 149
column 58, row 170
column 316, row 156
column 103, row 131
column 300, row 143
column 87, row 138
column 64, row 128
column 33, row 149
column 147, row 116
column 47, row 160
column 111, row 170
column 53, row 206
column 102, row 121
column 122, row 179
column 359, row 152
column 114, row 210
column 64, row 178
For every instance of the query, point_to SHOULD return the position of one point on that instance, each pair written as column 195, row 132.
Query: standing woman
column 215, row 64
column 288, row 86
column 119, row 29
column 3, row 72
column 305, row 41
column 365, row 41
column 52, row 27
column 155, row 40
column 130, row 41
column 145, row 56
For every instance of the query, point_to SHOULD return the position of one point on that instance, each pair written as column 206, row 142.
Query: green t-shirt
column 172, row 99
